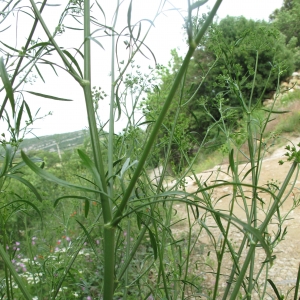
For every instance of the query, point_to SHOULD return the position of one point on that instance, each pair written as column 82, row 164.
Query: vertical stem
column 112, row 108
column 109, row 233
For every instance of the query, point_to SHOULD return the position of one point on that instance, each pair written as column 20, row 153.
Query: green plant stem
column 262, row 228
column 165, row 108
column 297, row 284
column 109, row 232
column 112, row 108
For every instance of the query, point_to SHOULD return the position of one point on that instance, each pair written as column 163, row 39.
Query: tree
column 228, row 53
column 287, row 20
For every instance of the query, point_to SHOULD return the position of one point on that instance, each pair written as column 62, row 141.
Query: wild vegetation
column 92, row 223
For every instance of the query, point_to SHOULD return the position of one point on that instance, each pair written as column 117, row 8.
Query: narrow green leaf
column 70, row 197
column 248, row 172
column 96, row 41
column 297, row 284
column 28, row 111
column 22, row 164
column 38, row 71
column 153, row 243
column 7, row 85
column 5, row 29
column 27, row 183
column 101, row 10
column 125, row 166
column 39, row 45
column 275, row 289
column 19, row 118
column 28, row 203
column 11, row 48
column 275, row 111
column 15, row 275
column 44, row 174
column 118, row 102
column 253, row 231
column 91, row 167
column 48, row 96
column 74, row 61
column 92, row 244
column 129, row 18
column 86, row 207
column 7, row 159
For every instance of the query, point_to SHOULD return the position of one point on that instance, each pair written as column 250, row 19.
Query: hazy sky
column 167, row 35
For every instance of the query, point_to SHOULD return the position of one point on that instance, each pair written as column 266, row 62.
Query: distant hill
column 56, row 142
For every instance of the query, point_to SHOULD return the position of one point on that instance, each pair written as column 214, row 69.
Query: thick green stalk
column 109, row 233
column 112, row 108
column 158, row 123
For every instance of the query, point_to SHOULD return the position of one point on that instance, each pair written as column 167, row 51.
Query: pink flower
column 17, row 243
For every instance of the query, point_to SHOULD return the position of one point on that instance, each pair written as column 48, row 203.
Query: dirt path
column 285, row 268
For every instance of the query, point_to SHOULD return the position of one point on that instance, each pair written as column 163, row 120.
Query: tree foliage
column 287, row 20
column 231, row 51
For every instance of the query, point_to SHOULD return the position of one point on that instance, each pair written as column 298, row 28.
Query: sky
column 166, row 35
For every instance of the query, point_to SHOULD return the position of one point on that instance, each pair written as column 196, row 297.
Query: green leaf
column 86, row 207
column 11, row 48
column 48, row 96
column 91, row 242
column 28, row 111
column 28, row 203
column 19, row 118
column 74, row 61
column 91, row 167
column 13, row 272
column 253, row 231
column 7, row 85
column 70, row 197
column 27, row 183
column 275, row 289
column 44, row 174
column 153, row 242
column 22, row 164
column 275, row 111
column 96, row 41
column 7, row 159
column 129, row 17
column 41, row 45
column 37, row 69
